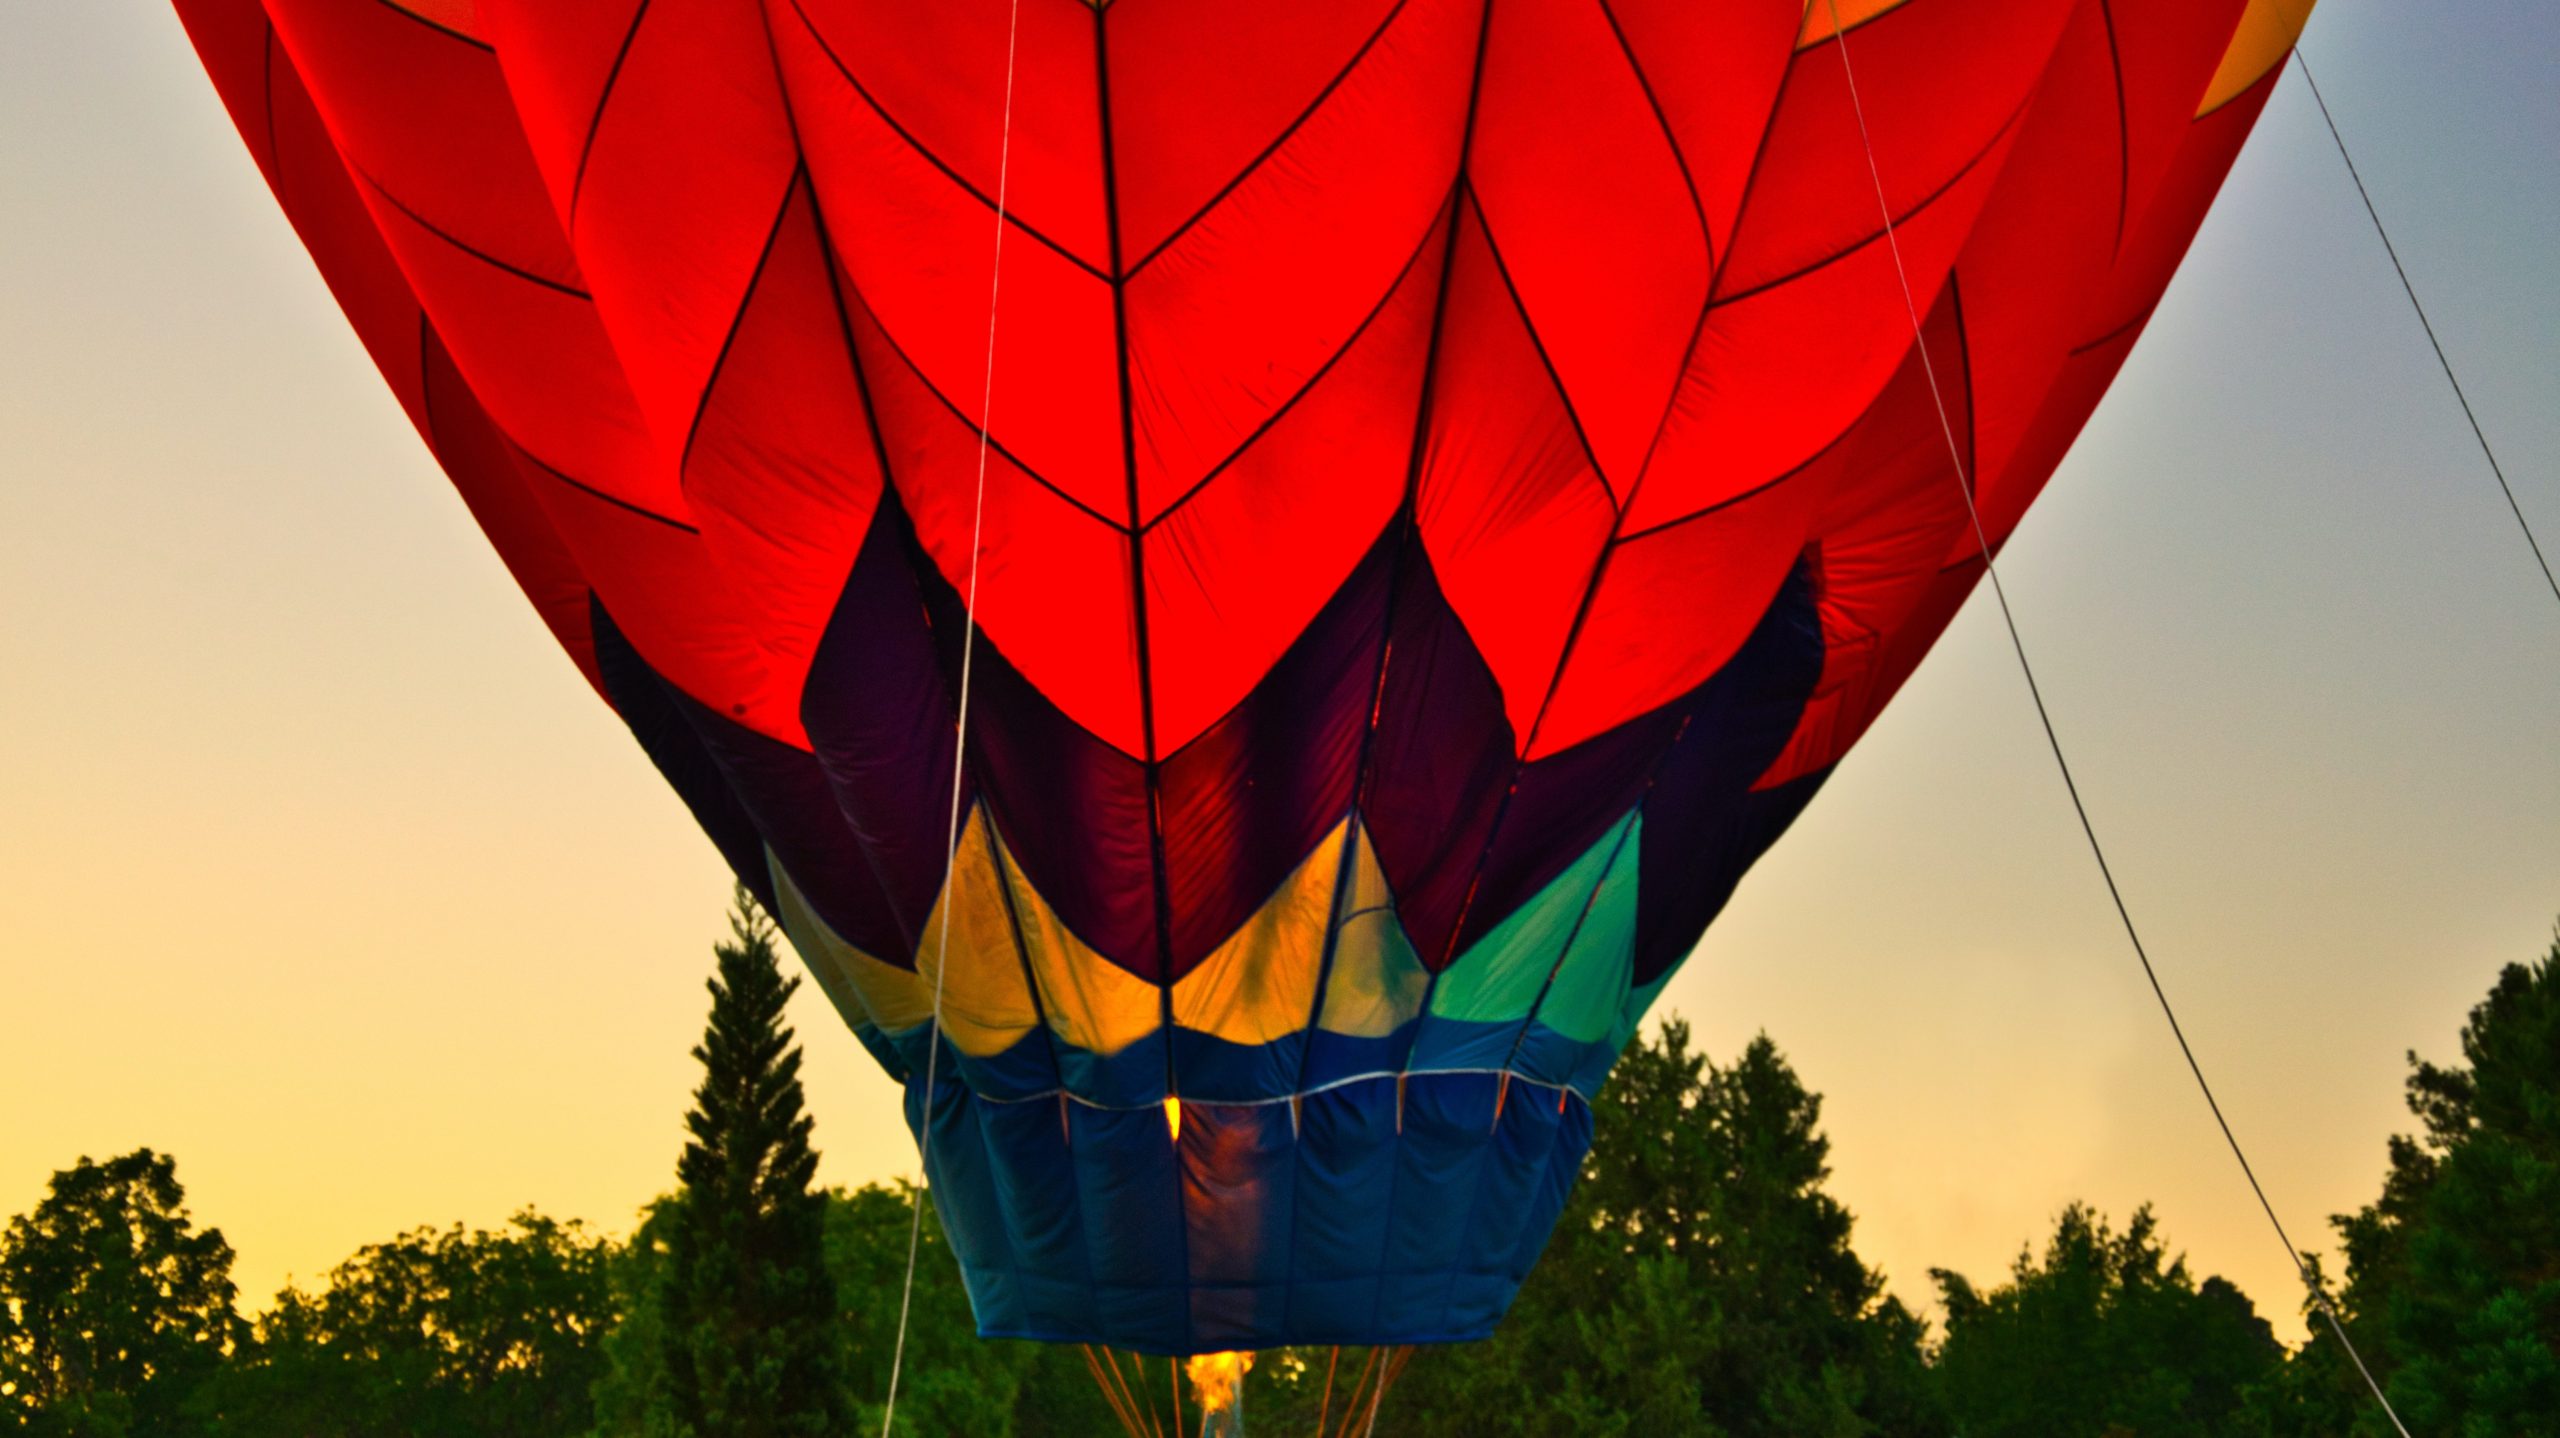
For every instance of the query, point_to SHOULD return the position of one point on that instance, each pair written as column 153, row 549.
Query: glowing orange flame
column 1217, row 1377
column 1173, row 1118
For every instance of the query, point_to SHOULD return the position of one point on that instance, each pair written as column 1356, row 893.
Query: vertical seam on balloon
column 1152, row 770
column 1252, row 166
column 948, row 170
column 1021, row 945
column 1679, row 156
column 595, row 122
column 1421, row 438
column 1600, row 565
column 1409, row 536
column 1626, row 831
column 2124, row 126
column 1394, row 288
column 997, row 445
column 1529, row 327
column 738, row 321
column 960, row 735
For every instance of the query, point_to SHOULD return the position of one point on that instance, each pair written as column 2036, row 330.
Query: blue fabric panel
column 1131, row 1078
column 1548, row 1057
column 1216, row 1071
column 1239, row 1172
column 964, row 1195
column 1331, row 1058
column 1448, row 1127
column 1524, row 1142
column 1028, row 1069
column 1564, row 1165
column 1129, row 1190
column 1346, row 1161
column 1034, row 1178
column 1447, row 1043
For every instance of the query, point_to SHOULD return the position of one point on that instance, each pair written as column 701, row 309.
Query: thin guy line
column 960, row 739
column 2053, row 741
column 2432, row 342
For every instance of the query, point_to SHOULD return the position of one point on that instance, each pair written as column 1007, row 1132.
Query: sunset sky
column 322, row 869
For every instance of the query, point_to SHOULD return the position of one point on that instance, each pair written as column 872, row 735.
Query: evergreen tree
column 112, row 1307
column 2453, row 1273
column 2106, row 1335
column 1699, row 1282
column 748, row 1306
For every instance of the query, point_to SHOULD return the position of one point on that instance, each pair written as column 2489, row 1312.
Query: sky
column 322, row 869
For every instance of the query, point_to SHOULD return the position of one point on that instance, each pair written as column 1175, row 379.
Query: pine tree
column 748, row 1303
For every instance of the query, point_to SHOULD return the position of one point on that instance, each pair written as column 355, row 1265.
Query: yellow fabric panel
column 1377, row 983
column 1260, row 984
column 890, row 998
column 1092, row 1002
column 986, row 1000
column 2268, row 29
column 1820, row 24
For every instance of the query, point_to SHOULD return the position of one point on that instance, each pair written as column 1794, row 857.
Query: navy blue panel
column 1333, row 1058
column 1448, row 1131
column 1129, row 1190
column 1507, row 1200
column 646, row 707
column 1217, row 1071
column 1346, row 1162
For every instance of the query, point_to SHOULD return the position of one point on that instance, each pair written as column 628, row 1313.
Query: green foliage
column 432, row 1333
column 1699, row 1282
column 2453, row 1274
column 112, row 1307
column 2107, row 1335
column 954, row 1382
column 746, row 1295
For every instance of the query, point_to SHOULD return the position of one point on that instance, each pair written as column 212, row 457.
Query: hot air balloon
column 1427, row 493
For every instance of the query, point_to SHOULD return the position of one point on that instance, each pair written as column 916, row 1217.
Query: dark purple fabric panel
column 1560, row 807
column 880, row 719
column 1072, row 809
column 1440, row 761
column 1704, row 825
column 1246, row 802
column 783, row 789
column 648, row 710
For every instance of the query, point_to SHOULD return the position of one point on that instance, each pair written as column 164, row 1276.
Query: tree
column 747, row 1303
column 112, row 1306
column 1699, row 1282
column 432, row 1333
column 2453, row 1273
column 2107, row 1335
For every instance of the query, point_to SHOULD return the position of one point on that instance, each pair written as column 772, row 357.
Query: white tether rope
column 960, row 736
column 1982, row 540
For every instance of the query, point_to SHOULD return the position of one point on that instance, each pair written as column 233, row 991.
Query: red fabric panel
column 675, row 183
column 1593, row 218
column 1671, row 606
column 1715, row 71
column 1199, row 91
column 1938, row 80
column 937, row 72
column 919, row 247
column 1053, row 581
column 1235, row 572
column 1781, row 373
column 782, row 473
column 1511, row 510
column 1232, row 318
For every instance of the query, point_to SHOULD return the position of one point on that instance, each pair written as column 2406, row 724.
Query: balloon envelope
column 1456, row 477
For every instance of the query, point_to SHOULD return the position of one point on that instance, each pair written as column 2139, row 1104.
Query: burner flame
column 1219, row 1380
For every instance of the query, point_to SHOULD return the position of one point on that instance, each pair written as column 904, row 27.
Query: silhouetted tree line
column 1701, row 1282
